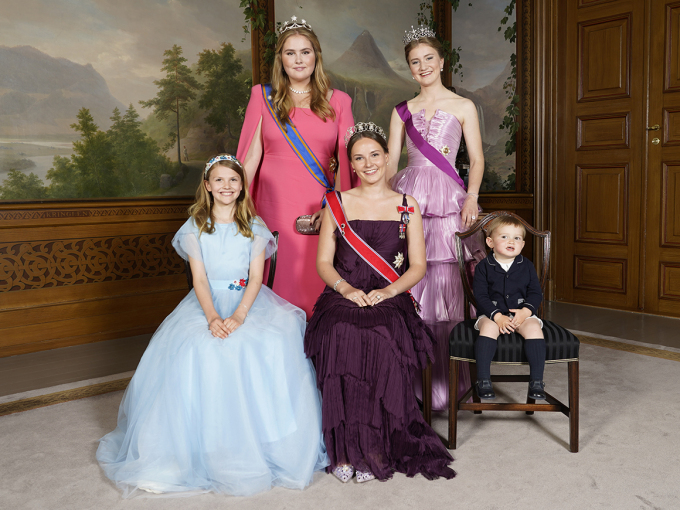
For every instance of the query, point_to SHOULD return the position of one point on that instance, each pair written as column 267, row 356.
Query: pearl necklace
column 300, row 91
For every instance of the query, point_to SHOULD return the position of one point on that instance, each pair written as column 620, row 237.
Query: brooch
column 398, row 260
column 445, row 150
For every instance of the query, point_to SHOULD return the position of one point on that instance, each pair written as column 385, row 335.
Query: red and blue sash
column 368, row 254
column 298, row 144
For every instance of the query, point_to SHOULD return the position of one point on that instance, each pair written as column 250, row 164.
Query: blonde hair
column 502, row 221
column 244, row 209
column 433, row 42
column 319, row 82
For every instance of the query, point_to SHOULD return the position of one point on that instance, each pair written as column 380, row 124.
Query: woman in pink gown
column 439, row 118
column 282, row 186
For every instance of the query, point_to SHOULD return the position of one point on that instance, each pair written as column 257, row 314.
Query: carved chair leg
column 427, row 393
column 453, row 402
column 573, row 405
column 473, row 380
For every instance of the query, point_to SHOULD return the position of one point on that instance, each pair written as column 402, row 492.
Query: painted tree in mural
column 139, row 162
column 175, row 92
column 19, row 186
column 225, row 90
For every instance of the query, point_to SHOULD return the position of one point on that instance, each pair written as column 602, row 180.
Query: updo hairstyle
column 433, row 42
column 366, row 134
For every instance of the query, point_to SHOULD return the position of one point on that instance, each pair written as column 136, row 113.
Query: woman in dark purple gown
column 365, row 336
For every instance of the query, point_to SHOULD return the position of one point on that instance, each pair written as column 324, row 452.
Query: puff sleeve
column 345, row 119
column 263, row 240
column 186, row 242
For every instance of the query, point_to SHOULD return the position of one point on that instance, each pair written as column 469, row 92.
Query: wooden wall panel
column 600, row 274
column 671, row 64
column 671, row 126
column 670, row 204
column 610, row 131
column 602, row 204
column 604, row 58
column 81, row 272
column 669, row 281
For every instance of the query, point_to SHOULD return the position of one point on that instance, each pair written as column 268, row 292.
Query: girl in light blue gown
column 224, row 398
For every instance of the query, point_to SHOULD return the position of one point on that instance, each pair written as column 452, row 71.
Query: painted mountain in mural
column 40, row 95
column 491, row 102
column 363, row 72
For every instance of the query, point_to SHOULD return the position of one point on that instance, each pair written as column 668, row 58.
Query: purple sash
column 435, row 157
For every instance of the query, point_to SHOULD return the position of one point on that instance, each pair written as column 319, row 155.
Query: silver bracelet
column 476, row 195
column 335, row 287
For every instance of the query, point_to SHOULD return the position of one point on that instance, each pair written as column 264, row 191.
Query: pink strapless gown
column 283, row 189
column 441, row 199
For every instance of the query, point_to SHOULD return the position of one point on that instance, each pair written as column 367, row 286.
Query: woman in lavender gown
column 432, row 125
column 365, row 336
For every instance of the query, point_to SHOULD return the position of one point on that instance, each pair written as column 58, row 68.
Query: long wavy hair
column 244, row 209
column 319, row 81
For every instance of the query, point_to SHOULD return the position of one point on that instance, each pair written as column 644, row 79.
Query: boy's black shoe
column 536, row 390
column 485, row 389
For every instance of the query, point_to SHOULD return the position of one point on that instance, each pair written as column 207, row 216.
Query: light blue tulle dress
column 236, row 415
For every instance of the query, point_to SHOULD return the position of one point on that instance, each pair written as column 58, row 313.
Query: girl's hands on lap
column 470, row 211
column 233, row 322
column 217, row 328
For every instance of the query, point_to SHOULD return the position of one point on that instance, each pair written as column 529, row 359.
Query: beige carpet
column 629, row 458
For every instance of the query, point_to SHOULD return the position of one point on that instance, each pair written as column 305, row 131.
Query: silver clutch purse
column 304, row 226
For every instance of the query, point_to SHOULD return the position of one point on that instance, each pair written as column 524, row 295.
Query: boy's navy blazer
column 497, row 291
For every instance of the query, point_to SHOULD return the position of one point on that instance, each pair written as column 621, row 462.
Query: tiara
column 223, row 157
column 418, row 33
column 361, row 127
column 290, row 25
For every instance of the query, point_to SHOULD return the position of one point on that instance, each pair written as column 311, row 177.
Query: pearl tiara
column 222, row 157
column 417, row 33
column 290, row 25
column 361, row 127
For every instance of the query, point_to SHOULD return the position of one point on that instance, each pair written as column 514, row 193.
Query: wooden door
column 600, row 173
column 662, row 147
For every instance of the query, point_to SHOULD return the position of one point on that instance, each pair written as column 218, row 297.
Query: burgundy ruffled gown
column 365, row 360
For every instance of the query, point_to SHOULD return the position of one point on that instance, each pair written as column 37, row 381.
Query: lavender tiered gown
column 365, row 359
column 441, row 199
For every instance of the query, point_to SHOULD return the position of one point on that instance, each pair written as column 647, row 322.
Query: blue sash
column 298, row 144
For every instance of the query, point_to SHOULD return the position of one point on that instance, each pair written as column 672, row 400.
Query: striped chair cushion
column 561, row 345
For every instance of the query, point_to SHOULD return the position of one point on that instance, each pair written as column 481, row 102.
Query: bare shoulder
column 412, row 202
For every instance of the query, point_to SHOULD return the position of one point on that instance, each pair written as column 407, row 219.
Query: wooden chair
column 561, row 347
column 270, row 276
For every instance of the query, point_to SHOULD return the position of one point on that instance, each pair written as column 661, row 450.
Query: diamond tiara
column 417, row 33
column 223, row 157
column 290, row 25
column 363, row 126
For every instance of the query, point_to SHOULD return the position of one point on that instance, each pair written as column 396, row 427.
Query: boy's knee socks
column 485, row 348
column 535, row 350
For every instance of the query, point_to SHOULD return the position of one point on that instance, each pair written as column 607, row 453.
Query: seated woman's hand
column 357, row 296
column 379, row 295
column 217, row 328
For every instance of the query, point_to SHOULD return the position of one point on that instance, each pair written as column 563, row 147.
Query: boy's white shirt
column 505, row 266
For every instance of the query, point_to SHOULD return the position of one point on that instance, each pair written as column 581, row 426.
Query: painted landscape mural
column 90, row 89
